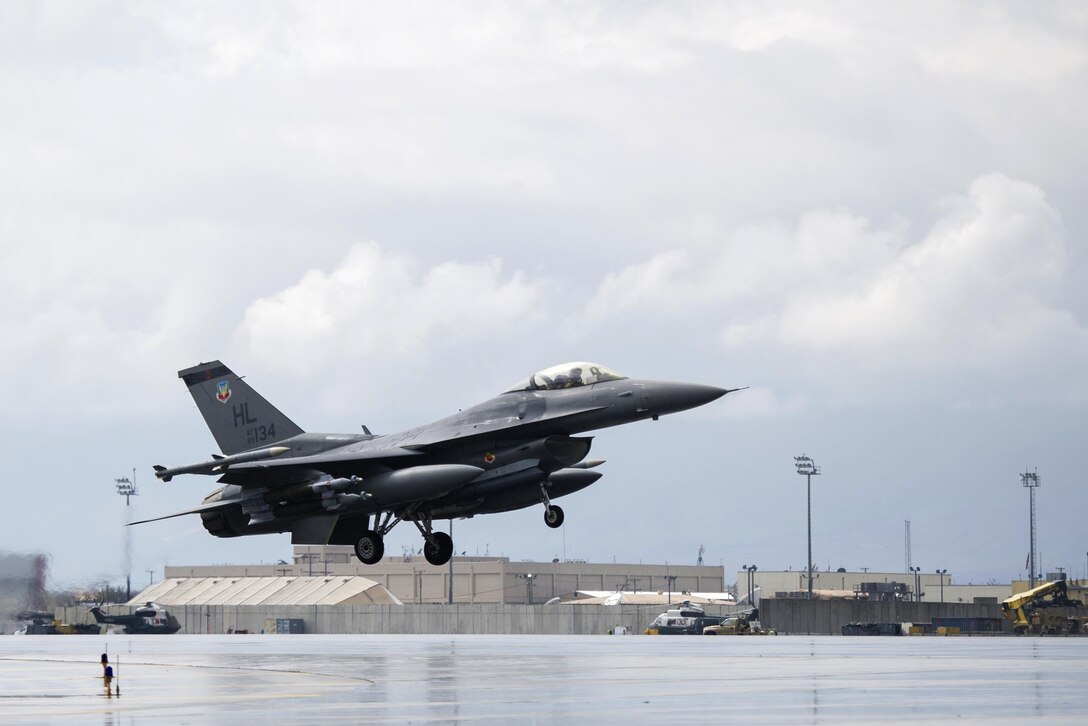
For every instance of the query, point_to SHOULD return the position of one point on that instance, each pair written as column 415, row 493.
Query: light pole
column 917, row 583
column 751, row 569
column 942, row 574
column 127, row 488
column 808, row 469
column 1030, row 480
column 528, row 577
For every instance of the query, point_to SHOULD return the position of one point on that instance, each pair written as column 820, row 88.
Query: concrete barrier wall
column 409, row 619
column 826, row 617
column 820, row 617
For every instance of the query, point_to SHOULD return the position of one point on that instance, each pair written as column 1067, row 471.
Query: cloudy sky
column 871, row 214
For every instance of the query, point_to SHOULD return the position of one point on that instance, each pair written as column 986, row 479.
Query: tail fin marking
column 239, row 417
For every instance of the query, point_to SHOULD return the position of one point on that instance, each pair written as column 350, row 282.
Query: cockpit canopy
column 568, row 375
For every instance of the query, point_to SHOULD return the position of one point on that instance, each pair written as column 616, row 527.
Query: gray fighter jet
column 516, row 450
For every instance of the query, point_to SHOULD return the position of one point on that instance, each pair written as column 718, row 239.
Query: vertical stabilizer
column 238, row 416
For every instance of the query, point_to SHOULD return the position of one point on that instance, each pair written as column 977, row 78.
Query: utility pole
column 808, row 469
column 1031, row 481
column 906, row 544
column 127, row 488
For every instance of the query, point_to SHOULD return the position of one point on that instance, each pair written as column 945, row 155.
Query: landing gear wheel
column 553, row 517
column 370, row 547
column 441, row 551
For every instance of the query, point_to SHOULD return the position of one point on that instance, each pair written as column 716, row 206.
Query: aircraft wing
column 331, row 458
column 369, row 457
column 341, row 462
column 443, row 437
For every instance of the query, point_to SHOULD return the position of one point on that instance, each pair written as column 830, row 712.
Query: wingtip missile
column 587, row 464
column 218, row 462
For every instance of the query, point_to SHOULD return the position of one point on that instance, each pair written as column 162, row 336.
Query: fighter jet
column 516, row 450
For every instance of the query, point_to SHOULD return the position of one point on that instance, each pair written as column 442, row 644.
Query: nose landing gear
column 553, row 516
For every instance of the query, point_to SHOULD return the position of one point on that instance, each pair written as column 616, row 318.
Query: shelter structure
column 597, row 597
column 255, row 590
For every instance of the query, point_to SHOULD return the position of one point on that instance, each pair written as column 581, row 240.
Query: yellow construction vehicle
column 1045, row 610
column 737, row 625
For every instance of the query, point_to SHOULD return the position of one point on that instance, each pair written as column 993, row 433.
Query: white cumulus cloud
column 973, row 293
column 377, row 302
column 980, row 291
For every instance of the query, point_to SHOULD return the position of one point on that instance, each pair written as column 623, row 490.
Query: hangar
column 276, row 590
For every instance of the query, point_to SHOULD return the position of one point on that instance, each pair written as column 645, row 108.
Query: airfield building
column 477, row 580
column 904, row 586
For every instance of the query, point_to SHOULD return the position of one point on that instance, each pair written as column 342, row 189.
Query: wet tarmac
column 239, row 679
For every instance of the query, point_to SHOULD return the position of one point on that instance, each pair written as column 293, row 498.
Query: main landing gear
column 437, row 546
column 370, row 547
column 439, row 549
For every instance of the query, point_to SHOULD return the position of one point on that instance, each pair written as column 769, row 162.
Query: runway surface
column 239, row 679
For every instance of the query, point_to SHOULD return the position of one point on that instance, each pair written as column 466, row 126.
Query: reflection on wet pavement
column 361, row 678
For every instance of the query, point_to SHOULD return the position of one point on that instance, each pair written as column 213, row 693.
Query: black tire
column 370, row 547
column 441, row 551
column 553, row 517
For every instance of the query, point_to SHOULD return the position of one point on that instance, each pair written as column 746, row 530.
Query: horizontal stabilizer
column 209, row 507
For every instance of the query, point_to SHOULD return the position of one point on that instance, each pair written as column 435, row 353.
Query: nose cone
column 667, row 397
